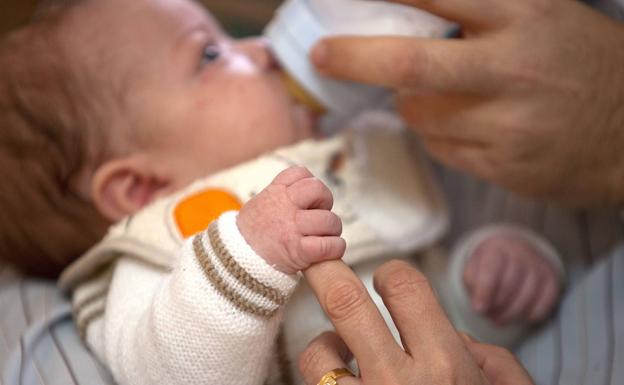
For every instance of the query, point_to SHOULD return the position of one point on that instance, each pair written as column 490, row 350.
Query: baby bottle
column 299, row 24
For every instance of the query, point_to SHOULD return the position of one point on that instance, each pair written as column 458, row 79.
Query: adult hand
column 434, row 352
column 531, row 98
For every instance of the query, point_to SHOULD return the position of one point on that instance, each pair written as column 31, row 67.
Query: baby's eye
column 211, row 53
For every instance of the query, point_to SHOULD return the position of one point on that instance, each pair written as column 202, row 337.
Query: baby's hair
column 48, row 128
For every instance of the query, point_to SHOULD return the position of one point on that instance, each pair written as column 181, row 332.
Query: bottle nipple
column 301, row 95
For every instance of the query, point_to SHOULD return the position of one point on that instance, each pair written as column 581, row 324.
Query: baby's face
column 197, row 100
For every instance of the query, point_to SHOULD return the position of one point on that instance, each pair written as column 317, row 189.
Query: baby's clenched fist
column 510, row 279
column 290, row 224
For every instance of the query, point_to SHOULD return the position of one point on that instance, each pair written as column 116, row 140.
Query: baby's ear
column 121, row 187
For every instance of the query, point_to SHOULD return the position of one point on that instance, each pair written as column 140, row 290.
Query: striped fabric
column 584, row 343
column 227, row 277
column 38, row 341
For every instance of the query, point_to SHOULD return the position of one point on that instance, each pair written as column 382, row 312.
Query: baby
column 108, row 106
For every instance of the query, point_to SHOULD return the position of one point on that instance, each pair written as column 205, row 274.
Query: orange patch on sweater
column 194, row 213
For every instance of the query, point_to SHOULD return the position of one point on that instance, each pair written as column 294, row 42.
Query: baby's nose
column 257, row 49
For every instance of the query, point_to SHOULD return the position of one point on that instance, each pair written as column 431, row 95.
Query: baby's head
column 106, row 105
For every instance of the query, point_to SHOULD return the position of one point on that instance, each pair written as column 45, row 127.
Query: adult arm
column 532, row 96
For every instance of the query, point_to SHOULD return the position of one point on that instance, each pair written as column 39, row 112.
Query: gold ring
column 330, row 377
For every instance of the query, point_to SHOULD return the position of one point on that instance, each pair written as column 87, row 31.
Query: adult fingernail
column 319, row 54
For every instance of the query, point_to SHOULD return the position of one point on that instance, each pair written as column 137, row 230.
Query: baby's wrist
column 260, row 288
column 245, row 254
column 262, row 246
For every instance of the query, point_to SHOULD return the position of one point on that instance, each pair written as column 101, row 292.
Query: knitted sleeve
column 212, row 319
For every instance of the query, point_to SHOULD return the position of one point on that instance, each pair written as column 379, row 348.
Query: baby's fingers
column 522, row 301
column 313, row 249
column 489, row 271
column 544, row 304
column 292, row 175
column 311, row 193
column 318, row 222
column 511, row 281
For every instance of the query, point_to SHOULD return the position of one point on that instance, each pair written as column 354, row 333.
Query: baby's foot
column 509, row 277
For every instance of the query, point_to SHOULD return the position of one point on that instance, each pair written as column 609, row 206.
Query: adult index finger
column 354, row 315
column 398, row 62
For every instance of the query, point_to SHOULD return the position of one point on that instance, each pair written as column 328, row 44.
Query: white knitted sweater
column 159, row 309
column 212, row 317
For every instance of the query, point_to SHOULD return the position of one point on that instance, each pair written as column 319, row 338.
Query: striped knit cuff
column 237, row 273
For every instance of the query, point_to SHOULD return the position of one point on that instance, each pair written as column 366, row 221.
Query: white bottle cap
column 299, row 24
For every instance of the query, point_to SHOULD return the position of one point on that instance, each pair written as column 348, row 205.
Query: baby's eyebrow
column 187, row 49
column 190, row 41
column 185, row 35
